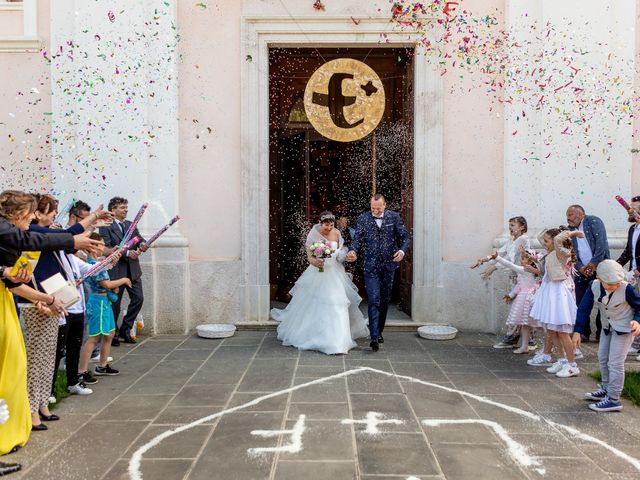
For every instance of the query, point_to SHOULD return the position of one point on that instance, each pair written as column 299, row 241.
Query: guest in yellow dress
column 16, row 213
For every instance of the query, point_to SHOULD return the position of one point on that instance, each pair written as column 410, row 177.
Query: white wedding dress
column 323, row 313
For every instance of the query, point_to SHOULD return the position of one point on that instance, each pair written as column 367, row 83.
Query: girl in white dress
column 323, row 313
column 554, row 306
column 510, row 251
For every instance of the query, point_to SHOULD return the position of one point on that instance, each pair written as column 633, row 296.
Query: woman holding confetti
column 16, row 213
column 323, row 313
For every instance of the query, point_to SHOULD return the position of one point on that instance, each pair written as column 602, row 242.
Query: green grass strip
column 631, row 390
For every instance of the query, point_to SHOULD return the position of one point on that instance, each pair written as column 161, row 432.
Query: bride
column 323, row 313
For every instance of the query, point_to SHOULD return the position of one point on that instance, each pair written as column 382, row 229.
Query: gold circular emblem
column 344, row 100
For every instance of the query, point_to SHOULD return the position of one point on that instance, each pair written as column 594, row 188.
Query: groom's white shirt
column 379, row 223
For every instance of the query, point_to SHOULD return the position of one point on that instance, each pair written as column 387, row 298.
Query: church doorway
column 310, row 173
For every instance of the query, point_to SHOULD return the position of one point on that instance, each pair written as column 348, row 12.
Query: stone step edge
column 389, row 327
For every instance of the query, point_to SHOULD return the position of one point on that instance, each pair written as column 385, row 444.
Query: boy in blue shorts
column 100, row 321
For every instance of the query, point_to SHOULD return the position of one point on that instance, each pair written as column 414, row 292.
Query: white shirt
column 379, row 221
column 79, row 268
column 120, row 226
column 634, row 241
column 584, row 250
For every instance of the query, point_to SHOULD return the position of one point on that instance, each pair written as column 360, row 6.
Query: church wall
column 201, row 283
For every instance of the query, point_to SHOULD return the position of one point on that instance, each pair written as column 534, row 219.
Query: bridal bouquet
column 321, row 250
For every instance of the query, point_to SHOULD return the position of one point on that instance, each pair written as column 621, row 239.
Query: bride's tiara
column 327, row 217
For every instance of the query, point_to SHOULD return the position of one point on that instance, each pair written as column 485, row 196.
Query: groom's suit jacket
column 126, row 267
column 378, row 244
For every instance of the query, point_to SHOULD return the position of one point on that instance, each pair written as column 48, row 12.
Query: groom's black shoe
column 374, row 345
column 380, row 339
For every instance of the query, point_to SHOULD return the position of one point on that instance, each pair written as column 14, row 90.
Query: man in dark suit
column 128, row 266
column 631, row 254
column 383, row 240
column 590, row 250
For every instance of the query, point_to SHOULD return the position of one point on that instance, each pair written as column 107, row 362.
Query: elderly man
column 591, row 250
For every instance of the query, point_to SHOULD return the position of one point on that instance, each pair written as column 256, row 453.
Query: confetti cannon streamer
column 157, row 235
column 106, row 261
column 134, row 224
column 64, row 211
column 626, row 206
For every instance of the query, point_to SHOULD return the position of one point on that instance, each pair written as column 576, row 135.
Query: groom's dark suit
column 378, row 245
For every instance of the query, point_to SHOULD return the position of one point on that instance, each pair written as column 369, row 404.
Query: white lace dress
column 323, row 313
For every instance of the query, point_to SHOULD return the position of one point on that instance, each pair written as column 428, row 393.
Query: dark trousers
column 136, row 298
column 60, row 348
column 378, row 285
column 75, row 332
column 582, row 285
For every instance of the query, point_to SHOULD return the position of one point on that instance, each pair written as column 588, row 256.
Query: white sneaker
column 79, row 389
column 52, row 399
column 638, row 358
column 540, row 360
column 578, row 354
column 568, row 371
column 556, row 367
column 96, row 359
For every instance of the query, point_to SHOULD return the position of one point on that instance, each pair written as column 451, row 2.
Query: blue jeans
column 378, row 285
column 582, row 284
column 612, row 353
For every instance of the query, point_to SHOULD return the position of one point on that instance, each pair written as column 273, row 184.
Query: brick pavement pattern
column 170, row 381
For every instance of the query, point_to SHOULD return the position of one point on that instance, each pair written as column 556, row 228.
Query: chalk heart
column 344, row 100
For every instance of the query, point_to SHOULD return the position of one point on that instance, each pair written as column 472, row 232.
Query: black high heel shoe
column 49, row 418
column 39, row 428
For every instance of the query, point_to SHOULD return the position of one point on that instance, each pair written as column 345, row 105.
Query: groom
column 378, row 235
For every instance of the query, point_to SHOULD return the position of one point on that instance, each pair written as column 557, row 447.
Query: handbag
column 61, row 289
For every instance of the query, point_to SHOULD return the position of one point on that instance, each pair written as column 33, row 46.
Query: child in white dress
column 510, row 251
column 554, row 306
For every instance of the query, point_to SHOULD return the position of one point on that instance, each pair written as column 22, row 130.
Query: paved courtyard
column 434, row 410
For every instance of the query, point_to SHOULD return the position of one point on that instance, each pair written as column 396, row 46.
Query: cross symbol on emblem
column 344, row 100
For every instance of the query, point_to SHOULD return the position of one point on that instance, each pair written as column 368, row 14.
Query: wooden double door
column 310, row 173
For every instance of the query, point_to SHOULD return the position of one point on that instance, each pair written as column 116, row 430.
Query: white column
column 427, row 190
column 115, row 128
column 30, row 18
column 115, row 119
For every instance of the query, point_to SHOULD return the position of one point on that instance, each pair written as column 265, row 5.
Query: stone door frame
column 258, row 35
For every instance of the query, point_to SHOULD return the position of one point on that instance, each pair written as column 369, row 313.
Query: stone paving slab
column 442, row 410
